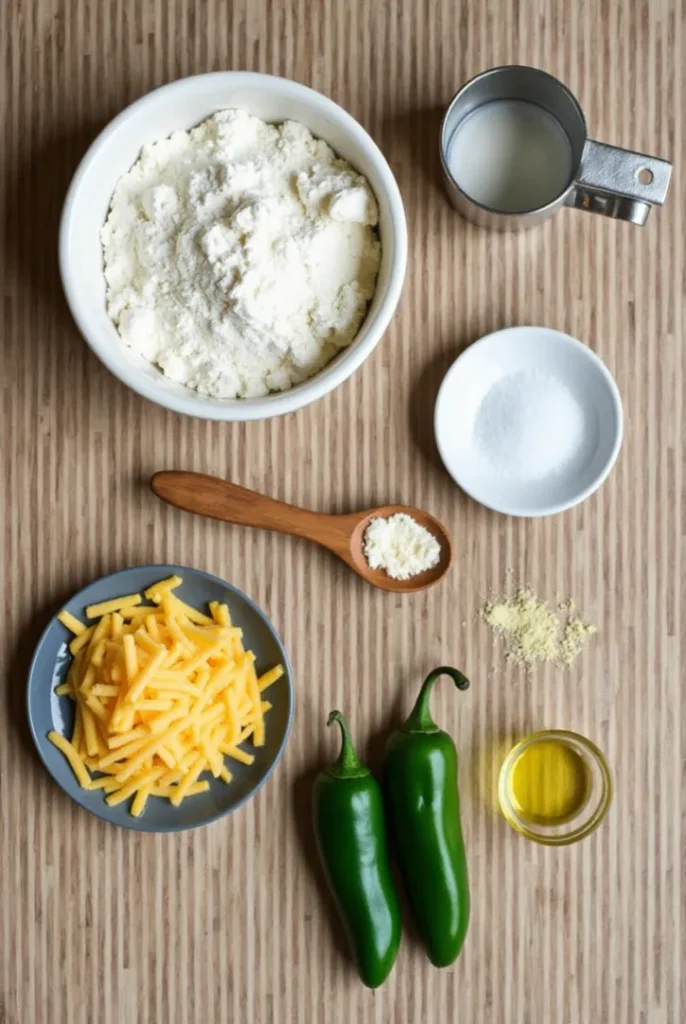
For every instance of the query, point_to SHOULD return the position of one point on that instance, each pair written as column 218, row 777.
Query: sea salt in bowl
column 528, row 421
column 180, row 106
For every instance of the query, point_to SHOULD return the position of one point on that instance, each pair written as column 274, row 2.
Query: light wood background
column 228, row 924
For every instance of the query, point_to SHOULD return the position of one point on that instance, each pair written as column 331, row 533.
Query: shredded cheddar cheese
column 95, row 611
column 81, row 639
column 163, row 694
column 71, row 622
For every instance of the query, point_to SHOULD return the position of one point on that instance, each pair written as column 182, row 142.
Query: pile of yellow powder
column 534, row 632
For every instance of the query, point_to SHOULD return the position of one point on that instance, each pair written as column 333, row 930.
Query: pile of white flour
column 240, row 257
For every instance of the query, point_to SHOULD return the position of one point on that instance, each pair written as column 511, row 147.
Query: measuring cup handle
column 619, row 183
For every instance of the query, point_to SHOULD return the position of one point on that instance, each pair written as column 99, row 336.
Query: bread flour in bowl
column 240, row 257
column 252, row 260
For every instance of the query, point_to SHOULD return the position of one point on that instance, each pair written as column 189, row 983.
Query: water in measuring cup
column 511, row 156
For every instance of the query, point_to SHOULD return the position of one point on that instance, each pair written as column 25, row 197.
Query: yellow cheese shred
column 73, row 757
column 81, row 640
column 154, row 593
column 71, row 622
column 95, row 611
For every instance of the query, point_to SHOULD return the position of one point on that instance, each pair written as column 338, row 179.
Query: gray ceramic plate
column 47, row 711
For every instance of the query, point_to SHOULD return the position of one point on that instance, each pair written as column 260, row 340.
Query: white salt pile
column 530, row 426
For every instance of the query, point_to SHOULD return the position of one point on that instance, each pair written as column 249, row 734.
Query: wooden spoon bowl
column 378, row 577
column 218, row 499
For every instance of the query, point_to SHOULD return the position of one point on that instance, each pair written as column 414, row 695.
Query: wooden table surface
column 229, row 923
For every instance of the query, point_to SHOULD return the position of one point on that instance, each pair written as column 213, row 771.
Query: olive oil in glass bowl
column 554, row 787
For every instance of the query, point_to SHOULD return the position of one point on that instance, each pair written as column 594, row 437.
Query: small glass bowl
column 589, row 814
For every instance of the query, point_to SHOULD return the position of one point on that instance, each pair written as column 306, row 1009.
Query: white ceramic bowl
column 182, row 105
column 561, row 359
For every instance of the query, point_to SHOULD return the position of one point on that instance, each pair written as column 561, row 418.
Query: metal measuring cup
column 605, row 179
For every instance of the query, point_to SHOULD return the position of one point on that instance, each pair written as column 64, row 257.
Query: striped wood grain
column 228, row 923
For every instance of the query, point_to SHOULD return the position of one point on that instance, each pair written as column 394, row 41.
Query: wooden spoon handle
column 219, row 499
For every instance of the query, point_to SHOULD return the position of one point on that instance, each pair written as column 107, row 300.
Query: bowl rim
column 613, row 390
column 138, row 824
column 343, row 365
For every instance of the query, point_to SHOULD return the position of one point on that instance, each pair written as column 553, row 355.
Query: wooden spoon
column 210, row 496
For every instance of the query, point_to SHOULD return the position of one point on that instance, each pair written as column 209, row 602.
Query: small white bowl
column 489, row 362
column 180, row 106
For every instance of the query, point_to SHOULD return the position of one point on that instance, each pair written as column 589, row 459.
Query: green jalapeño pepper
column 421, row 784
column 351, row 837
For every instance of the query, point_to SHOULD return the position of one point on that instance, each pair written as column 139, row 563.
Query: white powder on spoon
column 400, row 546
column 530, row 426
